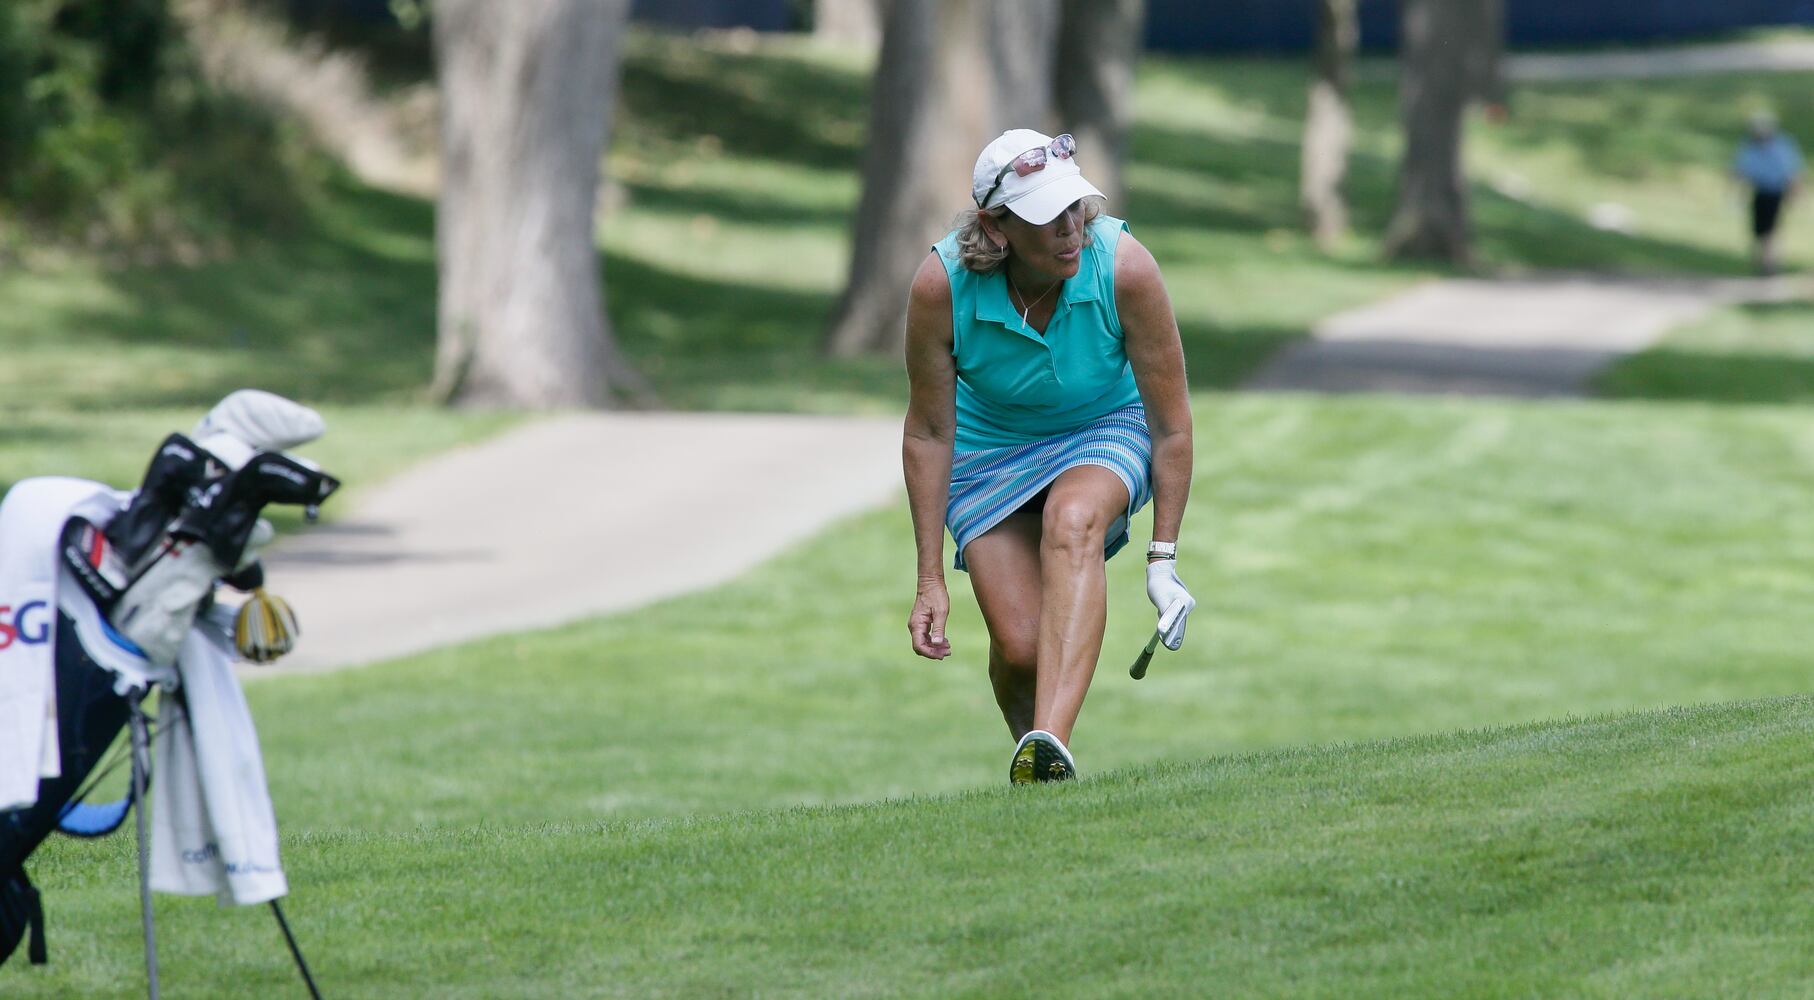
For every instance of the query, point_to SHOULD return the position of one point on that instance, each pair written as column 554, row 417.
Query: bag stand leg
column 141, row 763
column 295, row 952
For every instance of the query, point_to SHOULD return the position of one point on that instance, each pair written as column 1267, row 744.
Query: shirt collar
column 994, row 306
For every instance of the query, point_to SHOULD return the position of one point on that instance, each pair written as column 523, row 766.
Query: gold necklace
column 1025, row 306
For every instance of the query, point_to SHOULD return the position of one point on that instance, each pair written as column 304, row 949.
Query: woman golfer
column 1048, row 403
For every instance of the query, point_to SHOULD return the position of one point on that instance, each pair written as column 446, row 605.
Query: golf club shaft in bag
column 141, row 770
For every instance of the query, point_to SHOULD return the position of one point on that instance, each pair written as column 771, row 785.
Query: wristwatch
column 1162, row 550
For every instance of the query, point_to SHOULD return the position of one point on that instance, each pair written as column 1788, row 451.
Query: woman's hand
column 1170, row 599
column 926, row 626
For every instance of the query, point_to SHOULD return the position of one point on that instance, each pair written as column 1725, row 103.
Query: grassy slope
column 1366, row 569
column 1757, row 353
column 1652, row 854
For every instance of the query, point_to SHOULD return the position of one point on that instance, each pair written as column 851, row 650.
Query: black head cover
column 179, row 467
column 225, row 512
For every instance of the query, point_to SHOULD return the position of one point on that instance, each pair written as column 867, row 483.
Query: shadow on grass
column 736, row 207
column 1258, row 179
column 1672, row 374
column 717, row 345
column 1218, row 357
column 760, row 104
column 343, row 312
column 1758, row 352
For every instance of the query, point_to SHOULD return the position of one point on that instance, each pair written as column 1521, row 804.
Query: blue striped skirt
column 990, row 483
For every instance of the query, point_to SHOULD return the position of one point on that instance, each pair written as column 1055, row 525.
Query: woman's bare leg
column 1073, row 608
column 1004, row 571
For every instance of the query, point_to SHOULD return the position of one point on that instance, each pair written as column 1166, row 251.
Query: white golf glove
column 1170, row 599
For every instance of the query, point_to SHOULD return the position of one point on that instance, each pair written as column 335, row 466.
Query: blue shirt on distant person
column 1769, row 164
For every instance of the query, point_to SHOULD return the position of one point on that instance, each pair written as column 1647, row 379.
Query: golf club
column 1138, row 670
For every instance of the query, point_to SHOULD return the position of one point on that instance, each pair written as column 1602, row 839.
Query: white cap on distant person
column 1035, row 193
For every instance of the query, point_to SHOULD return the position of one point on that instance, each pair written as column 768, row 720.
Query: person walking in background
column 1047, row 403
column 1770, row 164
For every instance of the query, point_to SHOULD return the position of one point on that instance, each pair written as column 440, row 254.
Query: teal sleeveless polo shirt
column 1014, row 385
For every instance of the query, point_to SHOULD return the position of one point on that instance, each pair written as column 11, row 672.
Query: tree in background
column 1093, row 83
column 527, row 92
column 1486, row 56
column 112, row 136
column 852, row 22
column 1441, row 42
column 1329, row 123
column 953, row 74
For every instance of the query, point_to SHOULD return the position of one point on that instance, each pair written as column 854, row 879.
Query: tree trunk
column 1486, row 56
column 1093, row 84
column 953, row 74
column 1431, row 219
column 527, row 89
column 851, row 22
column 1329, row 124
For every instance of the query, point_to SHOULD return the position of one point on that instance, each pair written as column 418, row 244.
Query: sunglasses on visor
column 1031, row 161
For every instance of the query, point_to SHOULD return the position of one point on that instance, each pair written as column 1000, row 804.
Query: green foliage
column 110, row 136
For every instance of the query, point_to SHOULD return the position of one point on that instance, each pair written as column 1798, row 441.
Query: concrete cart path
column 1535, row 336
column 1777, row 55
column 569, row 518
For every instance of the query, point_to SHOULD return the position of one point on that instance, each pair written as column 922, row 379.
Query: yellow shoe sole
column 1020, row 770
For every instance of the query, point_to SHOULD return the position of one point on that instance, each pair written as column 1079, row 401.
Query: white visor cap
column 1037, row 197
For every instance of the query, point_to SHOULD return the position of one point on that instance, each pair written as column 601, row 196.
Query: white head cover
column 1037, row 197
column 255, row 421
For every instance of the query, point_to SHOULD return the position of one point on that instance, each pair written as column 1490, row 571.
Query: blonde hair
column 978, row 253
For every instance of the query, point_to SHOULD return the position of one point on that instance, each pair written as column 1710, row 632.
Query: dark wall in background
column 1240, row 25
column 1286, row 25
column 762, row 15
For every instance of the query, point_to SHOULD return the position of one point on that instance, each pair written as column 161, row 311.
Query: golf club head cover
column 178, row 466
column 265, row 628
column 160, row 606
column 1170, row 599
column 225, row 512
column 263, row 421
column 195, row 517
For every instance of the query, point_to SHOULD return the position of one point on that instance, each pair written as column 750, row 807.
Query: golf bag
column 131, row 583
column 90, row 716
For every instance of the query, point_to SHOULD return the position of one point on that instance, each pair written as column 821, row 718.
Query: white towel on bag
column 31, row 522
column 214, row 831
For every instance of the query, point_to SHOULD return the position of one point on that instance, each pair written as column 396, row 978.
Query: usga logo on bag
column 30, row 625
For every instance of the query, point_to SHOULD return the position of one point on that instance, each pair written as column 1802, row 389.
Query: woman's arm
column 1157, row 356
column 926, row 448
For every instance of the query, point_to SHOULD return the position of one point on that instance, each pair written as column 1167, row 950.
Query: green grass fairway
column 1757, row 353
column 469, row 820
column 1658, row 854
column 1367, row 568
